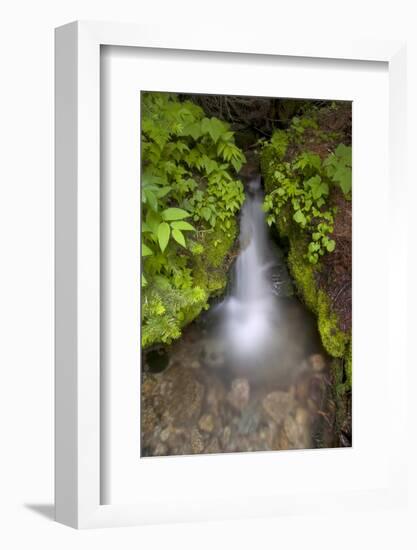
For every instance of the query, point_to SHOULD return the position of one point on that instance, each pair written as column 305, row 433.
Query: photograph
column 246, row 273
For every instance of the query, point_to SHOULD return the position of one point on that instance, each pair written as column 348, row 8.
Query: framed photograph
column 221, row 351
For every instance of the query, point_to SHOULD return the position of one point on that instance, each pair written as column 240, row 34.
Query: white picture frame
column 78, row 404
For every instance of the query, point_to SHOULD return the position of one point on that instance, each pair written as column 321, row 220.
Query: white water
column 251, row 311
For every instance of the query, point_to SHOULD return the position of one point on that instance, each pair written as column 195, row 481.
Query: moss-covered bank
column 321, row 284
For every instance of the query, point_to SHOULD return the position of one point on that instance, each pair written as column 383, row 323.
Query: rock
column 317, row 391
column 197, row 441
column 249, row 420
column 181, row 396
column 317, row 362
column 239, row 395
column 213, row 446
column 297, row 430
column 226, row 435
column 165, row 434
column 278, row 405
column 213, row 355
column 160, row 450
column 302, row 417
column 195, row 364
column 215, row 396
column 281, row 442
column 268, row 434
column 302, row 387
column 206, row 423
column 149, row 420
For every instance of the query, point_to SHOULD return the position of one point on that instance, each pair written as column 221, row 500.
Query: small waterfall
column 251, row 311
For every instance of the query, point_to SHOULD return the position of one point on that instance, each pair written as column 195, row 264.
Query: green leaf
column 144, row 281
column 215, row 128
column 179, row 237
column 206, row 213
column 193, row 130
column 162, row 192
column 175, row 214
column 299, row 218
column 163, row 235
column 183, row 226
column 146, row 251
column 237, row 164
column 152, row 200
column 330, row 245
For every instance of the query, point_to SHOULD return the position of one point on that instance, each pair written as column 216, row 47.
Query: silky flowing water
column 250, row 374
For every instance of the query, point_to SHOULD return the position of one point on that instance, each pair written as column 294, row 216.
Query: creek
column 250, row 374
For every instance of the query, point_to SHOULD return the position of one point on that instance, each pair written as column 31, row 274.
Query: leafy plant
column 299, row 188
column 189, row 186
column 338, row 167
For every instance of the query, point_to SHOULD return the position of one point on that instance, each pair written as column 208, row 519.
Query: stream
column 250, row 374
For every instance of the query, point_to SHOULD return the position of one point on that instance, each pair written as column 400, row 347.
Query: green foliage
column 338, row 167
column 299, row 187
column 300, row 191
column 189, row 190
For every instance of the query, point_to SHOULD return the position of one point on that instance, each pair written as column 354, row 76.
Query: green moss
column 348, row 364
column 334, row 340
column 303, row 275
column 210, row 270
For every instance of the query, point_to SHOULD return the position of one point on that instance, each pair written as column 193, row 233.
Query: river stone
column 213, row 355
column 249, row 421
column 278, row 405
column 214, row 398
column 239, row 394
column 226, row 435
column 160, row 450
column 149, row 421
column 213, row 446
column 180, row 396
column 165, row 434
column 197, row 441
column 206, row 423
column 298, row 434
column 317, row 362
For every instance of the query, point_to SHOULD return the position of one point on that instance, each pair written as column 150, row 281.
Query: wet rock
column 317, row 362
column 213, row 446
column 216, row 394
column 149, row 383
column 226, row 435
column 165, row 434
column 297, row 430
column 239, row 395
column 149, row 420
column 160, row 450
column 182, row 396
column 278, row 405
column 197, row 441
column 302, row 417
column 302, row 387
column 213, row 355
column 206, row 423
column 268, row 435
column 281, row 441
column 317, row 391
column 249, row 420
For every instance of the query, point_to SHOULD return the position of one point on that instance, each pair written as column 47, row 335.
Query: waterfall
column 250, row 311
